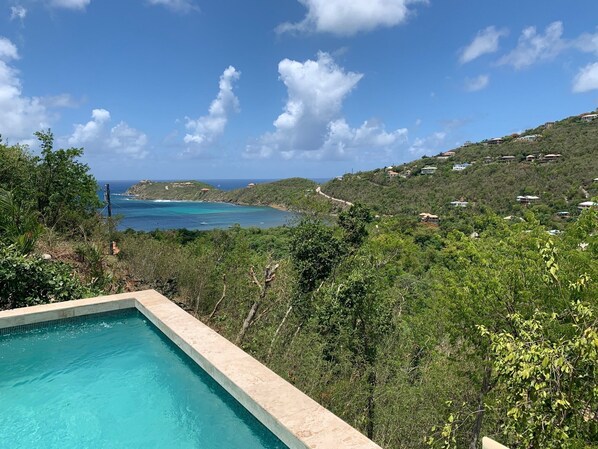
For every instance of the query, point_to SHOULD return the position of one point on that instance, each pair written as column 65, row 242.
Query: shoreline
column 279, row 207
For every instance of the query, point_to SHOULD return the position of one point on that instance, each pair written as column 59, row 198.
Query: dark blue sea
column 148, row 215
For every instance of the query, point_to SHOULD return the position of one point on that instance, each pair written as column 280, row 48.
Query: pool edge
column 296, row 419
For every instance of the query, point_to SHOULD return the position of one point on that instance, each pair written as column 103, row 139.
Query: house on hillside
column 507, row 159
column 205, row 189
column 588, row 117
column 467, row 143
column 530, row 158
column 429, row 170
column 251, row 184
column 527, row 199
column 495, row 141
column 392, row 174
column 488, row 159
column 587, row 205
column 459, row 203
column 548, row 125
column 432, row 219
column 461, row 167
column 563, row 214
column 529, row 138
column 444, row 156
column 550, row 158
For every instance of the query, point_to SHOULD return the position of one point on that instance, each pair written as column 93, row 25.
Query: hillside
column 489, row 181
column 556, row 162
column 296, row 194
column 176, row 190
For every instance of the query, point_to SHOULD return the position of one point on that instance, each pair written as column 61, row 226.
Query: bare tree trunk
column 197, row 299
column 477, row 426
column 247, row 322
column 269, row 276
column 293, row 338
column 221, row 297
column 286, row 315
column 371, row 403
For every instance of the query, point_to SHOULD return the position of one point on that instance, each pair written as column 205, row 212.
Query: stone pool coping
column 299, row 421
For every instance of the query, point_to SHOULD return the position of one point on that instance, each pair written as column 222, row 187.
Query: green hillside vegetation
column 169, row 190
column 297, row 194
column 493, row 185
column 419, row 336
column 416, row 337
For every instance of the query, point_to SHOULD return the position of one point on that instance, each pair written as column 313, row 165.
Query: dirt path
column 319, row 190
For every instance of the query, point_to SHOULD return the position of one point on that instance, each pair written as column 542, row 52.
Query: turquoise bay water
column 114, row 381
column 147, row 215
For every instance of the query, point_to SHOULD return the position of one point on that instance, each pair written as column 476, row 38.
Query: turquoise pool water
column 114, row 381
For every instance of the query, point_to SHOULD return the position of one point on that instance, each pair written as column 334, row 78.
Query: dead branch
column 221, row 297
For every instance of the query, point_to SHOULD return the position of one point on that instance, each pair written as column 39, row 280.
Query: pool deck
column 299, row 421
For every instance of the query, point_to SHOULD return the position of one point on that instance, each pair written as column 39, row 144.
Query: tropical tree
column 66, row 191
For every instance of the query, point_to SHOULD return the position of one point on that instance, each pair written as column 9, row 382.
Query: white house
column 527, row 199
column 551, row 157
column 459, row 203
column 461, row 167
column 529, row 138
column 589, row 117
column 587, row 205
column 429, row 170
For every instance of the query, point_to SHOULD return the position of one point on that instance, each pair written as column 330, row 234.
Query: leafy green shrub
column 18, row 224
column 30, row 280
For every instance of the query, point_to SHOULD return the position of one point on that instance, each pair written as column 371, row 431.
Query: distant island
column 293, row 194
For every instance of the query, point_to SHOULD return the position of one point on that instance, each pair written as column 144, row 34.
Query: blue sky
column 200, row 89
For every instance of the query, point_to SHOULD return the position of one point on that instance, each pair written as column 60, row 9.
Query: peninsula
column 293, row 194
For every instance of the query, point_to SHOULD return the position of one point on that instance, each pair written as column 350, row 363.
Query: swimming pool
column 259, row 394
column 113, row 380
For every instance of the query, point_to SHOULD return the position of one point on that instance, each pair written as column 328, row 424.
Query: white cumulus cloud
column 181, row 6
column 346, row 18
column 534, row 47
column 587, row 43
column 20, row 116
column 428, row 145
column 18, row 12
column 586, row 79
column 477, row 83
column 486, row 41
column 207, row 129
column 91, row 130
column 311, row 125
column 97, row 136
column 8, row 50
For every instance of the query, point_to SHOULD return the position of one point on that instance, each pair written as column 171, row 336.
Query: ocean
column 148, row 215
